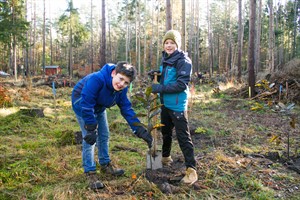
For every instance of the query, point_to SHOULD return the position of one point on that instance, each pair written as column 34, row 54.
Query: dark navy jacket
column 95, row 92
column 176, row 71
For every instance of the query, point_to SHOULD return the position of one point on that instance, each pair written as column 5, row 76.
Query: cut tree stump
column 32, row 112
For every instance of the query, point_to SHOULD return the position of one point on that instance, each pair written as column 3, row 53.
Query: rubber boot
column 190, row 176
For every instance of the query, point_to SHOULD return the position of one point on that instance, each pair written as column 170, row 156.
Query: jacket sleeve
column 89, row 96
column 184, row 70
column 127, row 111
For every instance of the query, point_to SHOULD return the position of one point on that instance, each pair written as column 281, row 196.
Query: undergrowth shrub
column 5, row 100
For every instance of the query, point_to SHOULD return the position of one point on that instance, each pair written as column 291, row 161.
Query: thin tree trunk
column 295, row 28
column 92, row 40
column 50, row 34
column 271, row 37
column 103, row 36
column 211, row 56
column 138, row 36
column 197, row 39
column 251, row 48
column 169, row 15
column 127, row 33
column 183, row 26
column 26, row 53
column 239, row 60
column 34, row 52
column 158, row 40
column 145, row 38
column 44, row 37
column 191, row 32
column 150, row 57
column 258, row 33
column 111, row 56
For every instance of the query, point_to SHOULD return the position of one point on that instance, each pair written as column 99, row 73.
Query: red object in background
column 52, row 70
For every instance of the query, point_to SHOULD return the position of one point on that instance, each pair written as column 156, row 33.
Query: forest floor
column 243, row 151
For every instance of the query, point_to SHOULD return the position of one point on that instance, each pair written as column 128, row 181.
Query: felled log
column 264, row 94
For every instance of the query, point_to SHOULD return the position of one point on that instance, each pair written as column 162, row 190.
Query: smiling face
column 170, row 46
column 119, row 81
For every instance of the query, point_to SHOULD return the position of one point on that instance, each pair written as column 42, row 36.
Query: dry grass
column 40, row 159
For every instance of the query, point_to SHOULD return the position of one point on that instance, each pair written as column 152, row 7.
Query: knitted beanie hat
column 173, row 35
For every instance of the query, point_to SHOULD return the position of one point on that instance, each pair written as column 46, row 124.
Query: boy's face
column 119, row 81
column 170, row 46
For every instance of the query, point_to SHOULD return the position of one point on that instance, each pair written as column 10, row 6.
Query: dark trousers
column 179, row 120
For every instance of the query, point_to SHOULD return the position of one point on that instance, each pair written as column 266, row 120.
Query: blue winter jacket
column 95, row 92
column 176, row 70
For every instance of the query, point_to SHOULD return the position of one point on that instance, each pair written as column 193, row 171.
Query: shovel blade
column 154, row 162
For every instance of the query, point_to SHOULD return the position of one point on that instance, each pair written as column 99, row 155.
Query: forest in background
column 226, row 37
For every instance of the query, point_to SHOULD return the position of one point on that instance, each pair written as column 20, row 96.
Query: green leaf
column 148, row 92
column 156, row 107
column 141, row 99
column 140, row 115
column 155, row 113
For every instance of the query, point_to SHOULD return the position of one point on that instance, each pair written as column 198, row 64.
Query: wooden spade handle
column 155, row 121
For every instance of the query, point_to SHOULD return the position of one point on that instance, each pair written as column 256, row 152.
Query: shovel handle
column 155, row 120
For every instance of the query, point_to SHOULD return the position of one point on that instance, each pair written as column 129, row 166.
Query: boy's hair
column 126, row 69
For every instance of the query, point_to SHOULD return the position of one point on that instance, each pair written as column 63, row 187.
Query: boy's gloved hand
column 141, row 132
column 151, row 74
column 91, row 135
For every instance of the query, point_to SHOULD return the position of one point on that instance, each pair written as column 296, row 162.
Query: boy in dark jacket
column 176, row 70
column 90, row 98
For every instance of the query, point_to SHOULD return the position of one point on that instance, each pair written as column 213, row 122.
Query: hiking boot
column 111, row 169
column 166, row 161
column 94, row 182
column 190, row 176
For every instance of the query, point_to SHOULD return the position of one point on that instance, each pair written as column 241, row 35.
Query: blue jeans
column 88, row 151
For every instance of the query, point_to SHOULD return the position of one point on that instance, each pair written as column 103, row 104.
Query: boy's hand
column 91, row 135
column 156, row 88
column 151, row 74
column 141, row 132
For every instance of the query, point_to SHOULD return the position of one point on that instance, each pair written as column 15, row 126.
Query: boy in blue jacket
column 90, row 98
column 176, row 70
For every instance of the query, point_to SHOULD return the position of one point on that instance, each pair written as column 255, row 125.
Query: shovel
column 154, row 156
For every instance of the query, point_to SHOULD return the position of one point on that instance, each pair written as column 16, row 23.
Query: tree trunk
column 26, row 50
column 44, row 38
column 145, row 39
column 169, row 15
column 197, row 39
column 258, row 33
column 102, row 60
column 271, row 37
column 14, row 44
column 127, row 33
column 191, row 32
column 240, row 42
column 138, row 36
column 295, row 28
column 34, row 52
column 158, row 39
column 251, row 48
column 50, row 34
column 183, row 39
column 92, row 40
column 211, row 56
column 150, row 57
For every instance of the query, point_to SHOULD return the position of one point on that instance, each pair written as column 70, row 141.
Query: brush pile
column 281, row 87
